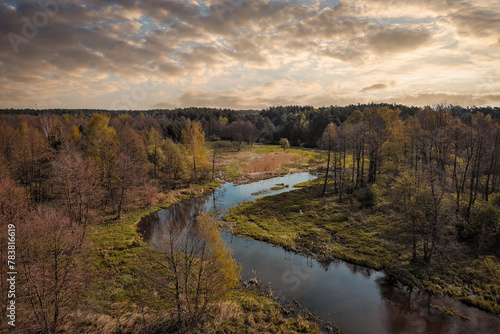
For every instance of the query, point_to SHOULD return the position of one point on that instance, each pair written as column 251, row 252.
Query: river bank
column 303, row 222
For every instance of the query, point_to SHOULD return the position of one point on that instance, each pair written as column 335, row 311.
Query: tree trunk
column 362, row 161
column 326, row 176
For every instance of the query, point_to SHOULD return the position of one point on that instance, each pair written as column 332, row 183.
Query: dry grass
column 226, row 311
column 270, row 162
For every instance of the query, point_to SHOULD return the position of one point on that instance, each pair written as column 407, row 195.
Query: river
column 355, row 298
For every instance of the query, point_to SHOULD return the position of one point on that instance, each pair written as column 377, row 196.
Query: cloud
column 446, row 99
column 373, row 88
column 224, row 52
column 480, row 23
column 398, row 40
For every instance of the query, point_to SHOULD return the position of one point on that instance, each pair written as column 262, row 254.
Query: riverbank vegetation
column 411, row 191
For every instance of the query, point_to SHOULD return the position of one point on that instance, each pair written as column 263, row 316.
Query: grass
column 259, row 314
column 118, row 258
column 451, row 312
column 278, row 220
column 302, row 221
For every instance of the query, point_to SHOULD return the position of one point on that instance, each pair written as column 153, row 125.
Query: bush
column 367, row 197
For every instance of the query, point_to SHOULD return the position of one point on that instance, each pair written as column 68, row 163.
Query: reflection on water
column 357, row 299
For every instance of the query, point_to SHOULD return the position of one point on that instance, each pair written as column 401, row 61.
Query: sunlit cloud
column 248, row 54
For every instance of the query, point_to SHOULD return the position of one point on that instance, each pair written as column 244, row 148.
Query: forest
column 74, row 182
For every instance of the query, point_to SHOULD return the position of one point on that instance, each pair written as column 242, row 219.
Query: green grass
column 323, row 227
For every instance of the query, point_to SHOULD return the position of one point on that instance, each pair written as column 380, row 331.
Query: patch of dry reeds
column 270, row 162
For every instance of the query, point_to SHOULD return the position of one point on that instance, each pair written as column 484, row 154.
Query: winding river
column 355, row 298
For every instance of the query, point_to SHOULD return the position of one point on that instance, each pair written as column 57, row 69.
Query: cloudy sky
column 246, row 54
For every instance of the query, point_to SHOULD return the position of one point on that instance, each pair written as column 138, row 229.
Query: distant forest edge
column 302, row 125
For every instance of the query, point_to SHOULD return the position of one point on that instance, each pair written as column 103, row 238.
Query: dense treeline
column 105, row 161
column 441, row 173
column 301, row 125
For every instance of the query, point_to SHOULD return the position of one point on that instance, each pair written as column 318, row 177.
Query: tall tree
column 49, row 256
column 379, row 122
column 176, row 164
column 199, row 268
column 102, row 145
column 33, row 155
column 154, row 142
column 75, row 180
column 193, row 139
column 328, row 143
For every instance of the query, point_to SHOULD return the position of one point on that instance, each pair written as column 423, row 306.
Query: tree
column 155, row 154
column 236, row 131
column 284, row 143
column 130, row 165
column 102, row 145
column 76, row 182
column 483, row 229
column 379, row 126
column 175, row 166
column 33, row 155
column 193, row 139
column 130, row 175
column 426, row 212
column 50, row 246
column 198, row 268
column 404, row 199
column 328, row 142
column 355, row 133
column 251, row 133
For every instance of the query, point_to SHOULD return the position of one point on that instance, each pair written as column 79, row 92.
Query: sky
column 246, row 54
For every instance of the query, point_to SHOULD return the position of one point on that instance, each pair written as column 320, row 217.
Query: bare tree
column 328, row 142
column 76, row 181
column 199, row 269
column 49, row 257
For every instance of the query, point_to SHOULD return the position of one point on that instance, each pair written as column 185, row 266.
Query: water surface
column 355, row 298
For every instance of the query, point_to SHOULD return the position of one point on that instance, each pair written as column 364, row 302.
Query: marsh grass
column 255, row 162
column 270, row 162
